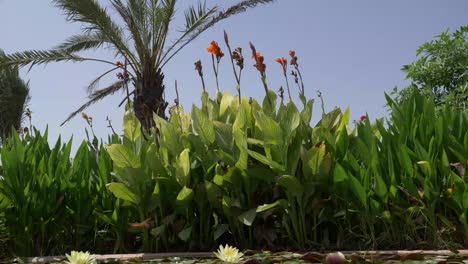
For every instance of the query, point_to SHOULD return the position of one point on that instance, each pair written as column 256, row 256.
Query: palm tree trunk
column 149, row 98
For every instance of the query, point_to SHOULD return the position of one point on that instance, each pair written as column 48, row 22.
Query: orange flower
column 215, row 50
column 283, row 63
column 259, row 59
column 292, row 53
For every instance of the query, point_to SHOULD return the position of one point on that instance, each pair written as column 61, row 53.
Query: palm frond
column 21, row 59
column 96, row 19
column 233, row 10
column 94, row 84
column 195, row 16
column 95, row 97
column 132, row 15
column 161, row 29
column 81, row 42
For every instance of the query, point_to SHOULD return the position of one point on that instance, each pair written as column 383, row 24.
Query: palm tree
column 140, row 41
column 14, row 96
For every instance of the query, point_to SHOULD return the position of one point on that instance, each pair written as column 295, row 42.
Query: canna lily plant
column 140, row 41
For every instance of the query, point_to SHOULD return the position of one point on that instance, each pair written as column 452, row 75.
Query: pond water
column 291, row 258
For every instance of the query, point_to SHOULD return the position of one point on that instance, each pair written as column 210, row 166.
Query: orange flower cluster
column 237, row 56
column 261, row 67
column 283, row 62
column 215, row 50
column 292, row 53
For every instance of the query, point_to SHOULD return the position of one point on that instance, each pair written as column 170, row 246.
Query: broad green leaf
column 306, row 114
column 292, row 186
column 263, row 159
column 183, row 167
column 269, row 103
column 345, row 120
column 219, row 231
column 340, row 174
column 265, row 207
column 380, row 187
column 241, row 119
column 214, row 194
column 247, row 217
column 291, row 120
column 425, row 167
column 203, row 126
column 122, row 156
column 226, row 101
column 184, row 197
column 122, row 192
column 131, row 125
column 241, row 143
column 271, row 130
column 169, row 134
column 157, row 231
column 184, row 235
column 358, row 190
column 224, row 136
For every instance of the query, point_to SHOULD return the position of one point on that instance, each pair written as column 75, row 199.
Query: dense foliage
column 441, row 70
column 14, row 96
column 249, row 174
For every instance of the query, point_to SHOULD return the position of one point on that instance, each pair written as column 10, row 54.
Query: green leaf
column 219, row 231
column 292, row 186
column 170, row 135
column 185, row 195
column 248, row 217
column 203, row 126
column 263, row 159
column 271, row 130
column 183, row 167
column 269, row 103
column 241, row 119
column 241, row 143
column 122, row 192
column 358, row 190
column 306, row 114
column 131, row 125
column 225, row 103
column 224, row 136
column 122, row 156
column 214, row 194
column 157, row 231
column 291, row 120
column 265, row 207
column 184, row 235
column 340, row 174
column 344, row 120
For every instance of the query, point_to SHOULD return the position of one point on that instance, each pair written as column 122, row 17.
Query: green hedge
column 255, row 176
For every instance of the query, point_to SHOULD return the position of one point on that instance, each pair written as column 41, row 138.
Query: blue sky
column 351, row 50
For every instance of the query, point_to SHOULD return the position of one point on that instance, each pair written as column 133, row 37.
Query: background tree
column 14, row 96
column 140, row 42
column 441, row 70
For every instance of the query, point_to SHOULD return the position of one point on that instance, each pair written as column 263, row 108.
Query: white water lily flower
column 228, row 254
column 80, row 257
